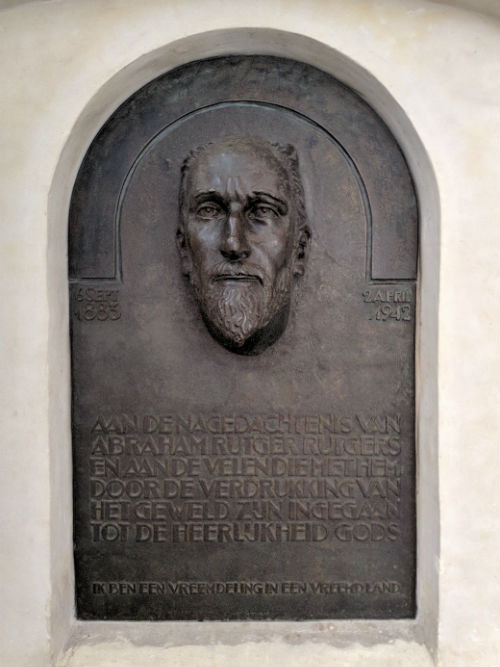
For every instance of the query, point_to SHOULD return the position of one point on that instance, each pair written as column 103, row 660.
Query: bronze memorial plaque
column 243, row 256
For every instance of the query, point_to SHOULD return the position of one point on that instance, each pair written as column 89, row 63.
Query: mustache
column 237, row 271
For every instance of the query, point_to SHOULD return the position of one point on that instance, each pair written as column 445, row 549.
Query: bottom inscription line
column 243, row 587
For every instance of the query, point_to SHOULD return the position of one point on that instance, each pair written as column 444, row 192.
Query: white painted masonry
column 431, row 71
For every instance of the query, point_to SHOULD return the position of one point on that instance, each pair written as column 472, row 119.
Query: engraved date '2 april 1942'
column 390, row 304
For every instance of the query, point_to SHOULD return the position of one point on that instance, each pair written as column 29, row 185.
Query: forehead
column 245, row 168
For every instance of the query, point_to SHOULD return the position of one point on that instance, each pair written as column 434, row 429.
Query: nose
column 234, row 245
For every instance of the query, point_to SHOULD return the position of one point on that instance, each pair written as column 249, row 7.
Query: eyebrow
column 208, row 195
column 256, row 194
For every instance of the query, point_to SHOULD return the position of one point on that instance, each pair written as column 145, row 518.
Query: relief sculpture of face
column 242, row 238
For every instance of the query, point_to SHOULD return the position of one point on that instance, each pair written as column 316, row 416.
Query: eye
column 262, row 212
column 208, row 211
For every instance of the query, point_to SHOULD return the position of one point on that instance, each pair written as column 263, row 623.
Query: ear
column 301, row 250
column 184, row 252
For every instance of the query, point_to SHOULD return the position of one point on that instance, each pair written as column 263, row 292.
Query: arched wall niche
column 97, row 110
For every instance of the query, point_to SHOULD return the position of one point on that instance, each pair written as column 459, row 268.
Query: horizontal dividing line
column 110, row 281
column 390, row 281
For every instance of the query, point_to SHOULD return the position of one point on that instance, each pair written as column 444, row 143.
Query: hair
column 285, row 156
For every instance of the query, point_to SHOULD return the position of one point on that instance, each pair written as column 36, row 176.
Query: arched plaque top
column 182, row 98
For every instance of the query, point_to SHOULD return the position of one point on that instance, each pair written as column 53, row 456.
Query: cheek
column 275, row 249
column 202, row 244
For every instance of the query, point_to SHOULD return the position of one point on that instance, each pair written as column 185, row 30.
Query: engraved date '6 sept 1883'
column 91, row 304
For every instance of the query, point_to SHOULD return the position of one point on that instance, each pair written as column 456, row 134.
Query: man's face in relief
column 241, row 240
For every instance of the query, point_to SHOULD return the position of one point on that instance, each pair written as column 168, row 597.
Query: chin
column 245, row 317
column 257, row 341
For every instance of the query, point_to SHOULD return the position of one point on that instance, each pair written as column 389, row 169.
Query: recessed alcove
column 429, row 69
column 132, row 77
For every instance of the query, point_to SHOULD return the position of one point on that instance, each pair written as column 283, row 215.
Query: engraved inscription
column 245, row 478
column 392, row 304
column 92, row 304
column 243, row 587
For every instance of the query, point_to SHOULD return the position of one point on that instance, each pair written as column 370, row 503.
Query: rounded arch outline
column 221, row 105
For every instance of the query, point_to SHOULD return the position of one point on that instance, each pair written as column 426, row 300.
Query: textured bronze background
column 215, row 485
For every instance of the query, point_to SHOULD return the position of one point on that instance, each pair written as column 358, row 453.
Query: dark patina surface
column 243, row 251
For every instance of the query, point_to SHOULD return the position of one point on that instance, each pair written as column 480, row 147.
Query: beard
column 237, row 309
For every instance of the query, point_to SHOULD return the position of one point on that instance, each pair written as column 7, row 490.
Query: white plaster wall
column 432, row 71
